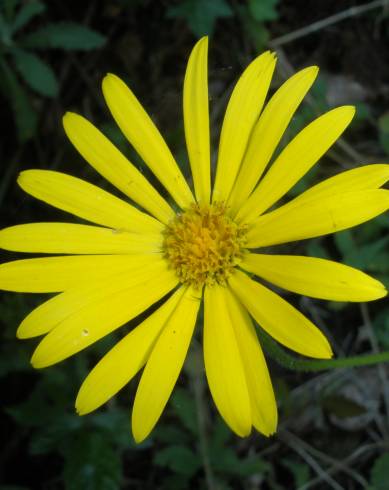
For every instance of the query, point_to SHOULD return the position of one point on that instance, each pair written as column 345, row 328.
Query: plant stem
column 289, row 361
column 332, row 19
column 198, row 388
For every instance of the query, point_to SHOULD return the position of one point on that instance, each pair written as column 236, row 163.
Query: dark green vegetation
column 334, row 429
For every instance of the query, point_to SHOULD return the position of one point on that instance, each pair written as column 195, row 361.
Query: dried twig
column 323, row 23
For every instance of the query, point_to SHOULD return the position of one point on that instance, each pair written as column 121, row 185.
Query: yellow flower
column 199, row 247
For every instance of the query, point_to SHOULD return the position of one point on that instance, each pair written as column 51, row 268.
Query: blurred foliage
column 200, row 15
column 52, row 57
column 18, row 59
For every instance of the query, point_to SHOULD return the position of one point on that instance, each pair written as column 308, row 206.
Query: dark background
column 334, row 430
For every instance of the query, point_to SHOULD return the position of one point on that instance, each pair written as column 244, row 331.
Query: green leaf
column 115, row 424
column 381, row 328
column 380, row 473
column 171, row 434
column 27, row 13
column 300, row 471
column 65, row 35
column 200, row 15
column 362, row 113
column 185, row 409
column 179, row 459
column 9, row 7
column 344, row 242
column 220, row 435
column 36, row 73
column 5, row 31
column 316, row 249
column 91, row 463
column 263, row 10
column 383, row 126
column 25, row 117
column 47, row 436
column 251, row 466
column 372, row 256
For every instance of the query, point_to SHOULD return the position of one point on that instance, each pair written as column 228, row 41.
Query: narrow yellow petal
column 316, row 217
column 223, row 362
column 196, row 120
column 124, row 360
column 69, row 238
column 57, row 309
column 105, row 311
column 164, row 365
column 357, row 179
column 280, row 319
column 295, row 161
column 315, row 277
column 86, row 201
column 104, row 157
column 242, row 112
column 144, row 136
column 263, row 402
column 56, row 274
column 268, row 132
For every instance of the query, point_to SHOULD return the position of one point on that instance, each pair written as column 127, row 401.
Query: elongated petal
column 196, row 120
column 99, row 317
column 262, row 399
column 268, row 132
column 295, row 161
column 145, row 138
column 164, row 366
column 104, row 157
column 315, row 277
column 56, row 274
column 57, row 309
column 124, row 360
column 357, row 179
column 316, row 217
column 242, row 112
column 367, row 177
column 280, row 319
column 223, row 362
column 69, row 238
column 86, row 201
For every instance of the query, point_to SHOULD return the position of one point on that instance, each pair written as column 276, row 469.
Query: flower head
column 192, row 247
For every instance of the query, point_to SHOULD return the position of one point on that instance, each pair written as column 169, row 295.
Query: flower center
column 203, row 244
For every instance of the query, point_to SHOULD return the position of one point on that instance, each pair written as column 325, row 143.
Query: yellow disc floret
column 203, row 244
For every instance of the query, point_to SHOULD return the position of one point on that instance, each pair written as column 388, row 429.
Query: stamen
column 203, row 245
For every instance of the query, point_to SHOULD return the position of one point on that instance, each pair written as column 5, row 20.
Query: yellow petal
column 57, row 309
column 268, row 132
column 55, row 274
column 105, row 311
column 280, row 319
column 144, row 136
column 104, row 157
column 124, row 360
column 196, row 120
column 242, row 112
column 164, row 365
column 223, row 362
column 357, row 179
column 86, row 201
column 295, row 161
column 262, row 399
column 69, row 238
column 315, row 277
column 316, row 217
